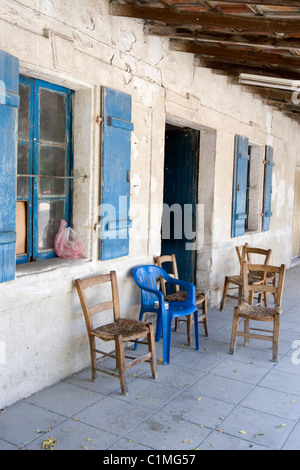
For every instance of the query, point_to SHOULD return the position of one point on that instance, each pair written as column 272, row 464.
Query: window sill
column 38, row 267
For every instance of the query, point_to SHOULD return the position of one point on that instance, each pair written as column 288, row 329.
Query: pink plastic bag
column 67, row 244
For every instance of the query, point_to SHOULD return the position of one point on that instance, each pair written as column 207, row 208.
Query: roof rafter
column 216, row 19
column 187, row 32
column 241, row 54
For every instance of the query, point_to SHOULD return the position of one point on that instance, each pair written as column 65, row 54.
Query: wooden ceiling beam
column 240, row 54
column 186, row 32
column 234, row 68
column 284, row 3
column 214, row 19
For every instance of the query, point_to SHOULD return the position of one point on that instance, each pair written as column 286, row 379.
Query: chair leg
column 121, row 364
column 159, row 327
column 189, row 322
column 140, row 319
column 196, row 329
column 246, row 330
column 204, row 310
column 151, row 347
column 167, row 326
column 235, row 324
column 225, row 290
column 92, row 342
column 276, row 337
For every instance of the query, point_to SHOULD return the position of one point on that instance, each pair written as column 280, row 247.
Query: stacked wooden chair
column 258, row 313
column 245, row 253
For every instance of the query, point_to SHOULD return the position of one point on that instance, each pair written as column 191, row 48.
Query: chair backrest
column 261, row 252
column 160, row 260
column 240, row 253
column 276, row 289
column 89, row 311
column 148, row 276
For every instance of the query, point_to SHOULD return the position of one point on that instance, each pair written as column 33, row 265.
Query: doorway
column 180, row 198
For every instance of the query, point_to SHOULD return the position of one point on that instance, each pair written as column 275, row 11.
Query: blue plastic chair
column 147, row 277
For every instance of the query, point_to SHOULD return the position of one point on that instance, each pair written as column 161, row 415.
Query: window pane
column 24, row 113
column 50, row 214
column 52, row 117
column 53, row 163
column 23, row 169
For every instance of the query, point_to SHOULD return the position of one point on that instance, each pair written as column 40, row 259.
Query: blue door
column 180, row 194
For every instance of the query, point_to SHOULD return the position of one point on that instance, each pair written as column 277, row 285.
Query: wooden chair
column 121, row 330
column 236, row 282
column 248, row 312
column 201, row 299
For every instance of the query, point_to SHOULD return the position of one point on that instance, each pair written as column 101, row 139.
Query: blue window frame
column 44, row 183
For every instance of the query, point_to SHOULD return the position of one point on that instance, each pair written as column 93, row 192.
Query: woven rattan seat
column 123, row 326
column 181, row 295
column 258, row 312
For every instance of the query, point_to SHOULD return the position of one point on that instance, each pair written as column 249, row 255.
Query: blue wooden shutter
column 241, row 160
column 268, row 187
column 9, row 103
column 115, row 174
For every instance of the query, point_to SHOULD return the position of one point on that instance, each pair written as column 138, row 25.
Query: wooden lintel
column 214, row 19
column 235, row 53
column 187, row 32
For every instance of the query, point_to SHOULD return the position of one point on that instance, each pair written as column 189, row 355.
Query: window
column 252, row 187
column 43, row 168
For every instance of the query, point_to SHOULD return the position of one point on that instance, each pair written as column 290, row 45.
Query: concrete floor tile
column 248, row 373
column 222, row 388
column 222, row 441
column 64, row 398
column 21, row 422
column 150, row 396
column 199, row 409
column 114, row 415
column 282, row 381
column 162, row 431
column 283, row 405
column 257, row 427
column 197, row 360
column 293, row 441
column 75, row 435
column 7, row 446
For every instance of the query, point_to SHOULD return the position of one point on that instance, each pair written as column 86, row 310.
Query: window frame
column 36, row 85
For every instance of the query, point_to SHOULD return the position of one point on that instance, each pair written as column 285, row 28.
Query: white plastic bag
column 67, row 244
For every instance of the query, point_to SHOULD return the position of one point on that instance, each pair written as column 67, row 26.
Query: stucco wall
column 77, row 44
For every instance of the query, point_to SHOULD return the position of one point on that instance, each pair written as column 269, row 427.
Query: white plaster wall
column 77, row 44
